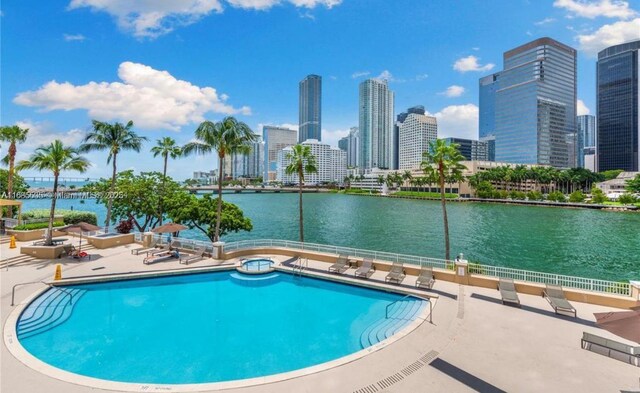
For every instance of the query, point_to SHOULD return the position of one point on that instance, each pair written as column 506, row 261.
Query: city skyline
column 146, row 73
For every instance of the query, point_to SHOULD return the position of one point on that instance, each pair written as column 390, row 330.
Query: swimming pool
column 207, row 327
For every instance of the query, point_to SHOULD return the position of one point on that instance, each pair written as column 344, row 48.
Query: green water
column 579, row 242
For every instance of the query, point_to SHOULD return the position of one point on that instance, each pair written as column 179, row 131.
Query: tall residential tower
column 310, row 108
column 376, row 125
column 530, row 106
column 618, row 86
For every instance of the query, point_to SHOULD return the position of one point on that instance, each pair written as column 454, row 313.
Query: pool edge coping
column 16, row 349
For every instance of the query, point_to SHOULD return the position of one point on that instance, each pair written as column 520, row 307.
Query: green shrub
column 556, row 196
column 627, row 199
column 577, row 197
column 37, row 225
column 485, row 190
column 535, row 196
column 517, row 195
column 69, row 216
column 597, row 195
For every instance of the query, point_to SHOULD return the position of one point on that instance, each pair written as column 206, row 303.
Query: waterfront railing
column 582, row 283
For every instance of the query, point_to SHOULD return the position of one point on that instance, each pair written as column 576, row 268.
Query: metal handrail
column 386, row 311
column 13, row 290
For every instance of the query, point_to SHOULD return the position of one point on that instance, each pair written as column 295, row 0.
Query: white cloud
column 453, row 91
column 582, row 108
column 592, row 9
column 422, row 77
column 388, row 76
column 74, row 37
column 150, row 19
column 151, row 98
column 331, row 137
column 359, row 74
column 608, row 35
column 471, row 63
column 544, row 21
column 458, row 121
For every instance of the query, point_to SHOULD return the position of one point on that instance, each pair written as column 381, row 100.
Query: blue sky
column 167, row 65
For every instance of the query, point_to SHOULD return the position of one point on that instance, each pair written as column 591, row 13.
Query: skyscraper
column 586, row 138
column 376, row 124
column 415, row 131
column 534, row 105
column 418, row 110
column 310, row 108
column 275, row 139
column 618, row 105
column 330, row 162
column 471, row 149
column 353, row 148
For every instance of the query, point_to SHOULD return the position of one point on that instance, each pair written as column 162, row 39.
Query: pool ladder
column 303, row 263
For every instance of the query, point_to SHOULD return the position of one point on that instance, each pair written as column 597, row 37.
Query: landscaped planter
column 43, row 252
column 33, row 234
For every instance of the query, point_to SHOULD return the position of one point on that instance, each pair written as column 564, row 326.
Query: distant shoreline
column 572, row 205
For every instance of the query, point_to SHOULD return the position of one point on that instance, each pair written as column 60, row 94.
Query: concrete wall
column 35, row 234
column 111, row 241
column 43, row 252
column 602, row 299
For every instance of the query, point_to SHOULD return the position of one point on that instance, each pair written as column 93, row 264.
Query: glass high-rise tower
column 586, row 137
column 310, row 108
column 618, row 105
column 530, row 106
column 376, row 125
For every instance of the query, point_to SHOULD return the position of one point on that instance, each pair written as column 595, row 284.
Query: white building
column 376, row 125
column 275, row 139
column 415, row 134
column 209, row 177
column 331, row 163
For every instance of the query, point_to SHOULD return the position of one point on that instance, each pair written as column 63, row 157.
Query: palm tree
column 165, row 147
column 225, row 137
column 407, row 176
column 445, row 160
column 115, row 138
column 13, row 135
column 301, row 161
column 55, row 158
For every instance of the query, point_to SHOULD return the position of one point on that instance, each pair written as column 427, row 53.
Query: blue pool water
column 208, row 327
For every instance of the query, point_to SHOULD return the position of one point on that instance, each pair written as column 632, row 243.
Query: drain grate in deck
column 428, row 358
column 412, row 368
column 388, row 381
column 367, row 389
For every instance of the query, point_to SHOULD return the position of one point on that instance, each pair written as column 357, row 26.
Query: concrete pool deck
column 474, row 344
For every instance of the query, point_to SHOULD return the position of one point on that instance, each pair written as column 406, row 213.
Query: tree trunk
column 49, row 240
column 220, row 176
column 444, row 211
column 12, row 158
column 300, row 177
column 164, row 176
column 111, row 189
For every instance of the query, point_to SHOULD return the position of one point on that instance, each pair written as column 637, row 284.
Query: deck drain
column 388, row 381
column 428, row 358
column 412, row 368
column 367, row 389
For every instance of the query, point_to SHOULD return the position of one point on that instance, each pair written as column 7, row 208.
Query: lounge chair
column 620, row 350
column 396, row 274
column 366, row 269
column 341, row 265
column 508, row 291
column 161, row 257
column 196, row 256
column 174, row 245
column 425, row 279
column 138, row 251
column 555, row 296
